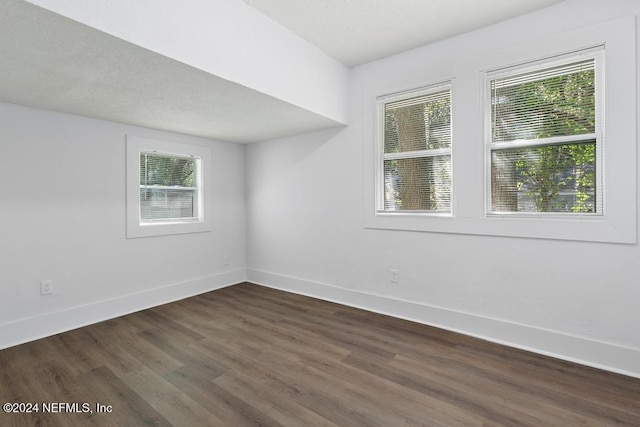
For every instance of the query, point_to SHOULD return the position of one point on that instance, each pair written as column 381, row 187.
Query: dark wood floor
column 249, row 355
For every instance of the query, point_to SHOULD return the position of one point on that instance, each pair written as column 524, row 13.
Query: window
column 545, row 137
column 165, row 187
column 415, row 145
column 169, row 187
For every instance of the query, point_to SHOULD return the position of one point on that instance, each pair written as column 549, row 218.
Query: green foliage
column 158, row 169
column 556, row 106
column 544, row 173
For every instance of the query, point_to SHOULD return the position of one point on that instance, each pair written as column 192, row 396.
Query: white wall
column 575, row 300
column 62, row 217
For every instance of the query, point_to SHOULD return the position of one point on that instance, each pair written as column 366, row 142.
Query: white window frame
column 598, row 55
column 381, row 156
column 201, row 223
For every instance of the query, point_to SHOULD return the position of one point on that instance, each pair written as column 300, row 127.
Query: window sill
column 590, row 229
column 166, row 228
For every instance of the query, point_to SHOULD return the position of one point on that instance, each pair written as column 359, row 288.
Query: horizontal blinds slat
column 417, row 184
column 418, row 123
column 547, row 73
column 162, row 169
column 163, row 204
column 423, row 99
column 545, row 103
column 556, row 179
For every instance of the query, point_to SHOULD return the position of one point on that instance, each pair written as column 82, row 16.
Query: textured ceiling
column 359, row 31
column 51, row 62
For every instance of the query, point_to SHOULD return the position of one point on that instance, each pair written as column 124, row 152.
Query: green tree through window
column 417, row 152
column 543, row 140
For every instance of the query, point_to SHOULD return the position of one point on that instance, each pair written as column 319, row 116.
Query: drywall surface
column 305, row 227
column 62, row 218
column 228, row 39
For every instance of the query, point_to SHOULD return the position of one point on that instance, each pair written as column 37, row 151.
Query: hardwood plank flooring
column 250, row 355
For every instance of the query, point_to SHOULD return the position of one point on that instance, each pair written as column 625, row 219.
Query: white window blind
column 415, row 170
column 545, row 144
column 168, row 187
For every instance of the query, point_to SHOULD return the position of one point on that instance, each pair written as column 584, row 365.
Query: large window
column 415, row 146
column 166, row 184
column 545, row 138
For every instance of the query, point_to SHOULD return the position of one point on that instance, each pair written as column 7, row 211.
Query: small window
column 165, row 188
column 545, row 139
column 169, row 187
column 414, row 173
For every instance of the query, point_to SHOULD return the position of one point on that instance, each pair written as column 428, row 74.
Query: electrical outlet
column 225, row 260
column 395, row 278
column 46, row 287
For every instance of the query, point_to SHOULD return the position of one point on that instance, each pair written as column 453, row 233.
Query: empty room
column 305, row 212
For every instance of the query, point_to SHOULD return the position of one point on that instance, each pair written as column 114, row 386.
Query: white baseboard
column 33, row 328
column 597, row 354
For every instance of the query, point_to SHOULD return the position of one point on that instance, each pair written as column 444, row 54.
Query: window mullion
column 556, row 140
column 417, row 154
column 167, row 187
